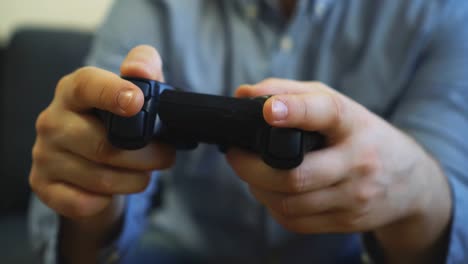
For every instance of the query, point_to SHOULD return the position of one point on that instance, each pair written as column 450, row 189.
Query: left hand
column 369, row 175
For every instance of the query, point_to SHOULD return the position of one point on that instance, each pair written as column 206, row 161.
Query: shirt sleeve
column 434, row 111
column 128, row 24
column 134, row 223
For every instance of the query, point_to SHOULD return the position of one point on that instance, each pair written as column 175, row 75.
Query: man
column 390, row 97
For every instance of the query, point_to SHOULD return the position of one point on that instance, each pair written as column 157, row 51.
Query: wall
column 80, row 14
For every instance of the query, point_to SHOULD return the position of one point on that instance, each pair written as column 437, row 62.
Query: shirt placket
column 289, row 49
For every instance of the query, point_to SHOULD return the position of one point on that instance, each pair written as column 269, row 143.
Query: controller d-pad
column 145, row 87
column 129, row 127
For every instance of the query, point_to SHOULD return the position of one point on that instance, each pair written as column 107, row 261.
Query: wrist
column 81, row 239
column 421, row 235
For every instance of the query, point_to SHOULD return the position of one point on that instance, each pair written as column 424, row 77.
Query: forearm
column 423, row 236
column 81, row 241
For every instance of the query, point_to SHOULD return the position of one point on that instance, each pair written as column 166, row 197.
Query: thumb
column 143, row 62
column 310, row 106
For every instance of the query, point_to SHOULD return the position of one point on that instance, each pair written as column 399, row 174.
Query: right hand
column 75, row 170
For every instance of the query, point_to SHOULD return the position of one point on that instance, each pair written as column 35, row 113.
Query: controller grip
column 285, row 147
column 136, row 131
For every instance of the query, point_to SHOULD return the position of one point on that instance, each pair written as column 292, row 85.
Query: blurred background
column 81, row 15
column 40, row 41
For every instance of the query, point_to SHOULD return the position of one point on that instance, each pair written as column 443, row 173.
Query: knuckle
column 368, row 193
column 107, row 95
column 363, row 196
column 34, row 180
column 338, row 106
column 66, row 82
column 62, row 84
column 45, row 124
column 102, row 99
column 102, row 152
column 106, row 182
column 103, row 96
column 305, row 114
column 39, row 189
column 72, row 130
column 81, row 79
column 295, row 180
column 39, row 155
column 284, row 207
column 368, row 162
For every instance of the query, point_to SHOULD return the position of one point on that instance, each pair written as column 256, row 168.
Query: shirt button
column 251, row 11
column 286, row 44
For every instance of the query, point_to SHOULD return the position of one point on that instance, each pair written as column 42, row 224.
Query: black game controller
column 184, row 119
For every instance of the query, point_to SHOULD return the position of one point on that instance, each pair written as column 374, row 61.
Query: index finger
column 319, row 169
column 92, row 87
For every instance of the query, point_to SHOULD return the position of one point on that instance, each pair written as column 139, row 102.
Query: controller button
column 129, row 127
column 285, row 143
column 144, row 86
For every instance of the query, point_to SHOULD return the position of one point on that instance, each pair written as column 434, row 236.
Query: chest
column 364, row 49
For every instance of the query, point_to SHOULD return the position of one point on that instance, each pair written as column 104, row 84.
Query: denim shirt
column 406, row 61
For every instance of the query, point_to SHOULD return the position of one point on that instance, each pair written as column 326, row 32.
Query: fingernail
column 279, row 110
column 125, row 98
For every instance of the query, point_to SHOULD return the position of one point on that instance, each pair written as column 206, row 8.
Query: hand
column 75, row 170
column 370, row 177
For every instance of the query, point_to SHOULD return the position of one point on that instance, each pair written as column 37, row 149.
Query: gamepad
column 184, row 119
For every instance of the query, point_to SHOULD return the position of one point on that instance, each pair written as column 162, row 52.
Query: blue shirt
column 406, row 61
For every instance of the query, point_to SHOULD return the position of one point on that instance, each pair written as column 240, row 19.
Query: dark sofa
column 30, row 66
